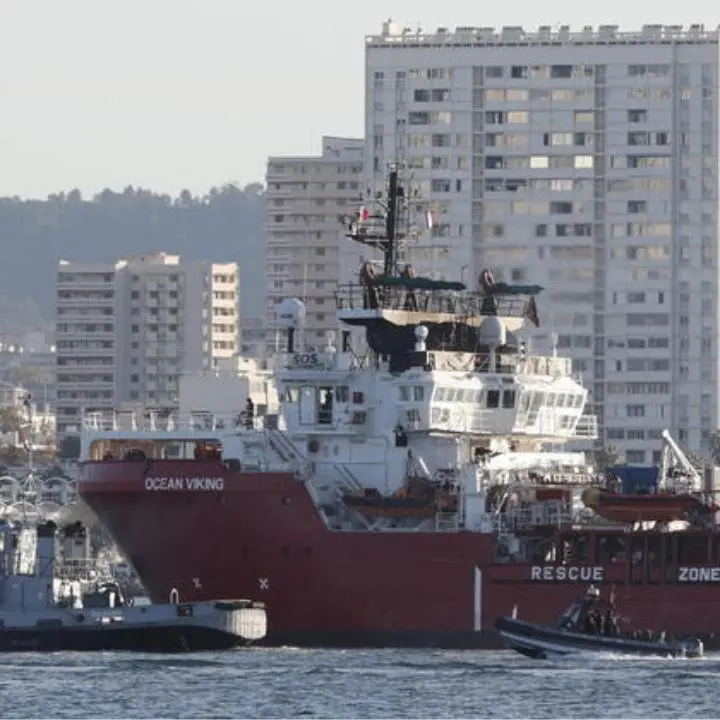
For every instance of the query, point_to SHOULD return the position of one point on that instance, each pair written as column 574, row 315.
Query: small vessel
column 49, row 608
column 590, row 625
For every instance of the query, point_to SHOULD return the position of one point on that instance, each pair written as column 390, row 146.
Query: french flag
column 430, row 219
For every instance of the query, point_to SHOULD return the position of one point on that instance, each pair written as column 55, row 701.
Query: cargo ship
column 417, row 485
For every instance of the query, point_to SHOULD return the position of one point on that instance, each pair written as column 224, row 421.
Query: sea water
column 299, row 683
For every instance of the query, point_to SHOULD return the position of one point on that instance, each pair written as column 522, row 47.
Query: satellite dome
column 493, row 332
column 421, row 333
column 291, row 312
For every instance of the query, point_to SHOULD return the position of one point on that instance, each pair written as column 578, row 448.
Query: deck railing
column 151, row 421
column 355, row 296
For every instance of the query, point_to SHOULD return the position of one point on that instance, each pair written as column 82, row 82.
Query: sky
column 173, row 94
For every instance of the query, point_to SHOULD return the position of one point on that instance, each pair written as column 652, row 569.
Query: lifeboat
column 636, row 507
column 419, row 498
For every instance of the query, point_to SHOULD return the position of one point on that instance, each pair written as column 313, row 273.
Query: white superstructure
column 126, row 330
column 586, row 161
column 306, row 196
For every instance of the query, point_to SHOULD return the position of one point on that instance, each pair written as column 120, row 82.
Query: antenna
column 380, row 230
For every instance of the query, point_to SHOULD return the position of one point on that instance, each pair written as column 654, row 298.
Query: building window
column 561, row 71
column 635, row 410
column 637, row 116
column 635, row 456
column 517, row 117
column 583, row 161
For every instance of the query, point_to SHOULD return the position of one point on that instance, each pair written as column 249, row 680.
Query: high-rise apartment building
column 307, row 198
column 125, row 331
column 586, row 162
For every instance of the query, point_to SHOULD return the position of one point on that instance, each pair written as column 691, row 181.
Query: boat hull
column 152, row 628
column 162, row 639
column 540, row 642
column 262, row 536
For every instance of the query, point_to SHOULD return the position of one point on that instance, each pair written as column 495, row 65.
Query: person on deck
column 410, row 299
column 368, row 279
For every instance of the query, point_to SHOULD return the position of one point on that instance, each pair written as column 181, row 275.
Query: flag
column 531, row 312
column 430, row 219
column 364, row 214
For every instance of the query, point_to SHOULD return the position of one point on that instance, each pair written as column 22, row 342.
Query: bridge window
column 291, row 394
column 440, row 394
column 342, row 394
column 418, row 393
column 493, row 399
column 508, row 400
column 404, row 393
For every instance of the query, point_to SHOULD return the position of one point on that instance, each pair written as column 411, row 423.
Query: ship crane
column 676, row 471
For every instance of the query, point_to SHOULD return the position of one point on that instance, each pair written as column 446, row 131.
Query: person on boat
column 487, row 286
column 410, row 300
column 593, row 620
column 368, row 279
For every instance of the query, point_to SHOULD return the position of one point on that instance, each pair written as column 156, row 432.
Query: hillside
column 225, row 225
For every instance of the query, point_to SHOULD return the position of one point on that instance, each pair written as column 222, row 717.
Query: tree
column 607, row 457
column 10, row 420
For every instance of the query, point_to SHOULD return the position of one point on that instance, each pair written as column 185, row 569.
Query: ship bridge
column 453, row 315
column 536, row 398
column 447, row 393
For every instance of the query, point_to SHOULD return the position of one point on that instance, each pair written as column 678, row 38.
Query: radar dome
column 291, row 312
column 421, row 333
column 493, row 332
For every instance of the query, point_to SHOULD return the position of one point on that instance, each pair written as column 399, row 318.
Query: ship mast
column 380, row 230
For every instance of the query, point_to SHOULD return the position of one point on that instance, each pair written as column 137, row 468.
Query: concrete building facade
column 585, row 162
column 307, row 198
column 125, row 331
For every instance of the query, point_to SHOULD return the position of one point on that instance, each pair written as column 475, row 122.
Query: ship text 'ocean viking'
column 189, row 483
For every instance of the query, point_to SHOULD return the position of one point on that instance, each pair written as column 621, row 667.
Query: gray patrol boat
column 45, row 606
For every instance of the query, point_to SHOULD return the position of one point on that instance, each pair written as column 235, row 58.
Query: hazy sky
column 169, row 94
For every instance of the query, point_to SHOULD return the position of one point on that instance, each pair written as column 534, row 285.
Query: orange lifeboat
column 636, row 507
column 416, row 499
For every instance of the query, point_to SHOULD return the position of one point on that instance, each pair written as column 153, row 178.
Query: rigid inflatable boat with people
column 591, row 624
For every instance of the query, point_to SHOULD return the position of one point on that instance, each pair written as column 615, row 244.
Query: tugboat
column 590, row 624
column 45, row 609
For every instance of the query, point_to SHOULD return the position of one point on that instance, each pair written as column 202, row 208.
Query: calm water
column 354, row 684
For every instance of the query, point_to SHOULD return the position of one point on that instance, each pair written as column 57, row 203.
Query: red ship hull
column 260, row 536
